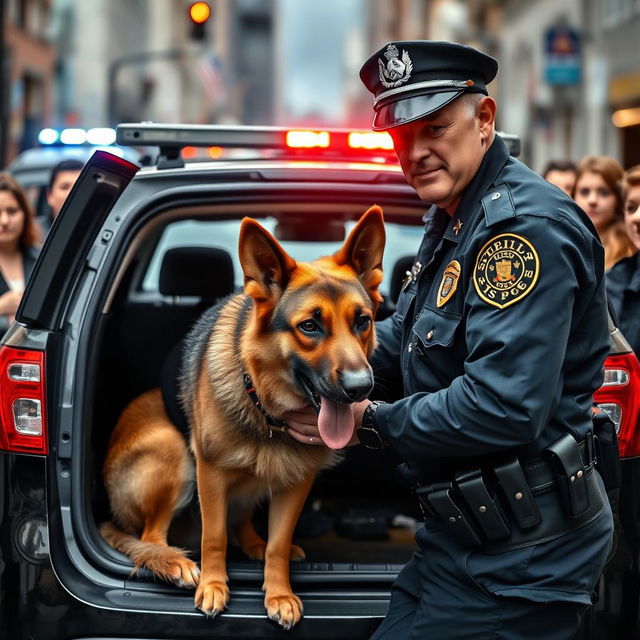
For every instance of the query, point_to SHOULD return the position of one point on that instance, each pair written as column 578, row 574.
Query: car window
column 402, row 240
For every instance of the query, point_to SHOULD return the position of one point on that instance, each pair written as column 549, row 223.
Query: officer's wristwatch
column 367, row 431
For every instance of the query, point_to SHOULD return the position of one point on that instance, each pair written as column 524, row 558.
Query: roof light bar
column 370, row 140
column 73, row 136
column 308, row 139
column 99, row 136
column 103, row 136
column 48, row 136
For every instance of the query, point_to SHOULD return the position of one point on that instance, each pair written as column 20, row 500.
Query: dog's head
column 313, row 321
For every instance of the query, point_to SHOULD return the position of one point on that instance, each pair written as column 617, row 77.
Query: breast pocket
column 436, row 359
column 432, row 329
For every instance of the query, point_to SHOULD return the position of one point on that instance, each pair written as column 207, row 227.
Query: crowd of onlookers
column 21, row 234
column 610, row 196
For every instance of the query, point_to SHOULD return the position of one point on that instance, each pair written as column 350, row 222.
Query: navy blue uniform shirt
column 501, row 335
column 623, row 289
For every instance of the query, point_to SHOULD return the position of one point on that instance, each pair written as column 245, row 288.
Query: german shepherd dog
column 300, row 333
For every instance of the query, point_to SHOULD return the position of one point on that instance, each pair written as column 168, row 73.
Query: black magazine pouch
column 606, row 445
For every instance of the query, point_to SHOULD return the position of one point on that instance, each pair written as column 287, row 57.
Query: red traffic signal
column 199, row 13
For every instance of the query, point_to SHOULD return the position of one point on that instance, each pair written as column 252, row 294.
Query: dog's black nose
column 356, row 385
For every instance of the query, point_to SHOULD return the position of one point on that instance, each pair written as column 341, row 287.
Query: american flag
column 212, row 77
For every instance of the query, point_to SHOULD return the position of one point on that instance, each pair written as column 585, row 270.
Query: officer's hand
column 303, row 425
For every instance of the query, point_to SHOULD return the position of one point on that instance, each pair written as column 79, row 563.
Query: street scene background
column 568, row 85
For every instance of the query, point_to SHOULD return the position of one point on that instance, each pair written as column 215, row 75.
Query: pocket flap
column 433, row 329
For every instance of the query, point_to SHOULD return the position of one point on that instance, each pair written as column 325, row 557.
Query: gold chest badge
column 449, row 282
column 506, row 270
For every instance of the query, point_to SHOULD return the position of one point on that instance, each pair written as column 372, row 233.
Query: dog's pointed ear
column 363, row 250
column 265, row 263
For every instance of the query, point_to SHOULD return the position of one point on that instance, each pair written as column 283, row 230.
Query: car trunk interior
column 357, row 519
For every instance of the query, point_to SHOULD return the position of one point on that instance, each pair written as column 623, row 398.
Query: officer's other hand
column 302, row 425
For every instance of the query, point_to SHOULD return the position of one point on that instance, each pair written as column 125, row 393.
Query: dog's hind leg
column 146, row 474
column 248, row 539
column 281, row 603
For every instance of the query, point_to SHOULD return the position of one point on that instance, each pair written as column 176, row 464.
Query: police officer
column 499, row 338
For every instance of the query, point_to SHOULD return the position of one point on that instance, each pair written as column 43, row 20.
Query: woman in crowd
column 19, row 237
column 597, row 191
column 623, row 280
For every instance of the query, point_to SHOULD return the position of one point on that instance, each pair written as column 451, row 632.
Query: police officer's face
column 632, row 214
column 441, row 153
column 596, row 199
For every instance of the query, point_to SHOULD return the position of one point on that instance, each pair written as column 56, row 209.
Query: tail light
column 619, row 396
column 23, row 427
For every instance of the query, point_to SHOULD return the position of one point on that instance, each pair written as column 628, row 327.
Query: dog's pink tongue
column 335, row 423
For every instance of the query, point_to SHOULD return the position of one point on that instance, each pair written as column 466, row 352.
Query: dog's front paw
column 286, row 610
column 212, row 597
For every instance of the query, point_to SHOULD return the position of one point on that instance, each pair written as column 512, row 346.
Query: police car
column 110, row 296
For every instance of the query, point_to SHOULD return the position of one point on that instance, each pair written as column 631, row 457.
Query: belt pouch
column 570, row 475
column 606, row 446
column 485, row 508
column 444, row 506
column 518, row 493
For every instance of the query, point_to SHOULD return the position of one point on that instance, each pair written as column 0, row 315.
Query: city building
column 26, row 74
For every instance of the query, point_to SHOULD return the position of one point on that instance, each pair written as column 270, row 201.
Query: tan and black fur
column 303, row 332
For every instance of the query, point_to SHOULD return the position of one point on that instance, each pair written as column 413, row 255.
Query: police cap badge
column 412, row 79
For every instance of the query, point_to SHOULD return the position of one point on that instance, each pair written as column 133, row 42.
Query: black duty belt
column 511, row 504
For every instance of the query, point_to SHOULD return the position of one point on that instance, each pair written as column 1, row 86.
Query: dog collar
column 274, row 423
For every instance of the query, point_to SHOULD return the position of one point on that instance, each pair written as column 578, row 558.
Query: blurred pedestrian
column 63, row 177
column 597, row 192
column 19, row 238
column 562, row 173
column 623, row 279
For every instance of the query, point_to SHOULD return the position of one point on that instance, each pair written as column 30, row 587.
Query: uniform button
column 495, row 195
column 452, row 519
column 430, row 335
column 482, row 509
column 518, row 496
column 579, row 474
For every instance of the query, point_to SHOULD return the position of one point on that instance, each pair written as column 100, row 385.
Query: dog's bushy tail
column 162, row 560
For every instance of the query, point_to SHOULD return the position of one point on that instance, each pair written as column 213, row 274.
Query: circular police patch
column 506, row 270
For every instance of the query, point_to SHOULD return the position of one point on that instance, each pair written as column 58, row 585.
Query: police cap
column 411, row 79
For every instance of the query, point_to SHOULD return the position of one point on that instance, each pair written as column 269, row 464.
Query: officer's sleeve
column 515, row 370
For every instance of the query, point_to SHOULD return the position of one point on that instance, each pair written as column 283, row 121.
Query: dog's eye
column 309, row 326
column 363, row 323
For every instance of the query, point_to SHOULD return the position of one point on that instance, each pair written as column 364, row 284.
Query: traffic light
column 199, row 13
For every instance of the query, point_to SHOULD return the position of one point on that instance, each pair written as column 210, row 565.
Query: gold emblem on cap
column 506, row 270
column 396, row 71
column 449, row 283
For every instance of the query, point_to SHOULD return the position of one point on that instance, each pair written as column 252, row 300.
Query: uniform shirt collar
column 492, row 164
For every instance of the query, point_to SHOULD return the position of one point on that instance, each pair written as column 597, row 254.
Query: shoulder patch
column 506, row 270
column 498, row 205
